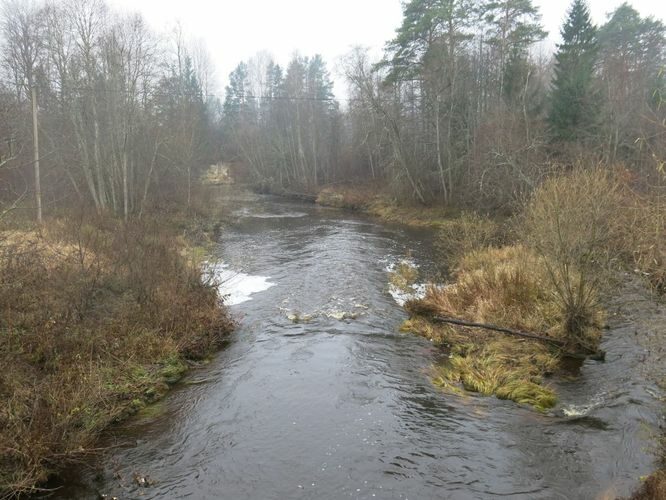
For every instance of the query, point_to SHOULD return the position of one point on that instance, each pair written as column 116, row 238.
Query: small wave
column 406, row 291
column 298, row 317
column 237, row 287
column 244, row 212
column 288, row 215
column 392, row 264
column 585, row 409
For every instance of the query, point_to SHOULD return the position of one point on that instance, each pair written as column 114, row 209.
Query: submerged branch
column 599, row 354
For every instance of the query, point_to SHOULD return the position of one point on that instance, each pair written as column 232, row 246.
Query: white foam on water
column 237, row 287
column 415, row 292
column 287, row 215
column 391, row 264
column 582, row 410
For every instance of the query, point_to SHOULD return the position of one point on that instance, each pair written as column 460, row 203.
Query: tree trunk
column 35, row 143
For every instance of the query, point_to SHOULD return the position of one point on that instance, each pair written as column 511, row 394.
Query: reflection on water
column 342, row 407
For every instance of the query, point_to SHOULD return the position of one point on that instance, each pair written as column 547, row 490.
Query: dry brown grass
column 96, row 317
column 350, row 197
column 654, row 487
column 466, row 233
column 507, row 286
column 374, row 201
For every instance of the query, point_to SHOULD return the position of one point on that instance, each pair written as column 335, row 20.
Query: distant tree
column 632, row 58
column 22, row 28
column 574, row 100
column 237, row 93
column 513, row 26
column 429, row 48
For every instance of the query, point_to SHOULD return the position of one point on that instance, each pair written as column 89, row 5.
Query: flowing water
column 319, row 396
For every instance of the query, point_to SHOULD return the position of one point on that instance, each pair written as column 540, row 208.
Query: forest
column 123, row 114
column 535, row 172
column 465, row 109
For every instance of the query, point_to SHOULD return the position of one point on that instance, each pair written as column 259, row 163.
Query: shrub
column 646, row 238
column 571, row 222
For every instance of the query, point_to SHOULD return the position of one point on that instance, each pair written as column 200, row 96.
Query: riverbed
column 320, row 396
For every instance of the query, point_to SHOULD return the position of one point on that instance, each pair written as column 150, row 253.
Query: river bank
column 99, row 318
column 370, row 200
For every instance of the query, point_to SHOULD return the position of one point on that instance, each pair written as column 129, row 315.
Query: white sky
column 235, row 30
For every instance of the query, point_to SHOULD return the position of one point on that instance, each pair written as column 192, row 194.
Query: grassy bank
column 97, row 318
column 371, row 200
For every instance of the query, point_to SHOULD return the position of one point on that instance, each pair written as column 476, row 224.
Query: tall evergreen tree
column 632, row 53
column 238, row 94
column 574, row 100
column 512, row 27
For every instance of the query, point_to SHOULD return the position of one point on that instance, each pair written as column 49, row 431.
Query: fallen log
column 597, row 355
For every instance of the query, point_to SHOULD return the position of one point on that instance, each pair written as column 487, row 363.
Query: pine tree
column 236, row 102
column 574, row 100
column 512, row 27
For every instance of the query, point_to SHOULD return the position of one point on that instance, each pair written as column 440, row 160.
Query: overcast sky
column 235, row 30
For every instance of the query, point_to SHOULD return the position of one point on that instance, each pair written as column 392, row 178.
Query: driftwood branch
column 599, row 355
column 508, row 331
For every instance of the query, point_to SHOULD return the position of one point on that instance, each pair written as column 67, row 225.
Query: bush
column 646, row 238
column 572, row 222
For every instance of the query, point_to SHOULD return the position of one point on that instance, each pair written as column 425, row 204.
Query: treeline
column 122, row 114
column 284, row 124
column 463, row 109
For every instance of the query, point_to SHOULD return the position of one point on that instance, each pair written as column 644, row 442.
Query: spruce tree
column 574, row 100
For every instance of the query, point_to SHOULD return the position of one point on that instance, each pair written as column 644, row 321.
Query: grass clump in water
column 504, row 368
column 511, row 287
column 404, row 276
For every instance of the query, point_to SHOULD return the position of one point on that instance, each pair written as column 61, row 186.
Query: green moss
column 136, row 404
column 173, row 370
column 152, row 411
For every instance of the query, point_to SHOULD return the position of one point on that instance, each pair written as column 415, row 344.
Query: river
column 319, row 396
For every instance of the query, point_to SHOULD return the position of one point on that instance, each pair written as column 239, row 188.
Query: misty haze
column 300, row 250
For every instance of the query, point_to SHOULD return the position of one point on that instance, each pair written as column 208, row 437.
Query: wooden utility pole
column 35, row 142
